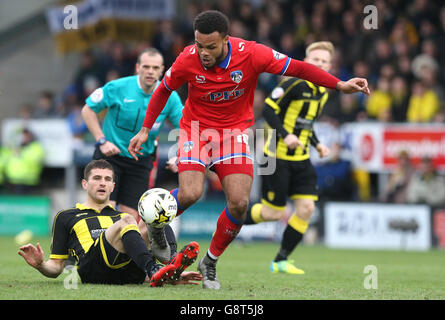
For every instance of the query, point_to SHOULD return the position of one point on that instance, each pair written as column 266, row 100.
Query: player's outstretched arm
column 33, row 255
column 307, row 71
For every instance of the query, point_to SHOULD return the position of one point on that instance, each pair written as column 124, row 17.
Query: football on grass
column 157, row 207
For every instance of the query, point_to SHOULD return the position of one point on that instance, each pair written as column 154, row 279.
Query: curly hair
column 210, row 21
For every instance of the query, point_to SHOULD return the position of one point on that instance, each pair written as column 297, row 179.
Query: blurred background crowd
column 402, row 60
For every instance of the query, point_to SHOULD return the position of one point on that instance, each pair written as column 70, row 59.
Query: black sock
column 248, row 219
column 171, row 239
column 291, row 238
column 137, row 250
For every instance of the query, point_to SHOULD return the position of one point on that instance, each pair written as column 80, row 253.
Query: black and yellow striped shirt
column 75, row 229
column 297, row 103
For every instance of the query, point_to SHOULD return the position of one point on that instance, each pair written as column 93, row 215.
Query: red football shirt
column 222, row 96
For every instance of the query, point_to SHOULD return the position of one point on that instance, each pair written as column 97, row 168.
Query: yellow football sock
column 255, row 213
column 298, row 224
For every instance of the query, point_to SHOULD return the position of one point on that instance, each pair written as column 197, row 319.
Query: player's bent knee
column 306, row 210
column 128, row 219
column 189, row 196
column 238, row 207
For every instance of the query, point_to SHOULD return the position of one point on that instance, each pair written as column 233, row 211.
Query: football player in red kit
column 221, row 72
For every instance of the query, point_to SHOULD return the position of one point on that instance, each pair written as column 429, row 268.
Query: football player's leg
column 191, row 185
column 260, row 212
column 124, row 236
column 274, row 188
column 237, row 189
column 292, row 236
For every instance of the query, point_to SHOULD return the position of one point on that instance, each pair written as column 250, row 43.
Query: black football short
column 291, row 179
column 131, row 177
column 104, row 264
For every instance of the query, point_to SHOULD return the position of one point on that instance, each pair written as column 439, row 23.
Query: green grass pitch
column 244, row 274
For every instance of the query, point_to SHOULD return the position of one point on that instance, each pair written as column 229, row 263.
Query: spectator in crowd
column 25, row 112
column 399, row 99
column 426, row 185
column 77, row 126
column 395, row 190
column 119, row 61
column 423, row 103
column 90, row 68
column 334, row 178
column 24, row 165
column 345, row 108
column 379, row 102
column 45, row 107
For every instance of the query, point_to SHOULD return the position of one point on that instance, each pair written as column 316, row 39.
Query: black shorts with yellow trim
column 291, row 179
column 104, row 264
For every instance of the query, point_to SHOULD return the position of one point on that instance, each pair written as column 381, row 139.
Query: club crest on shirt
column 187, row 146
column 236, row 76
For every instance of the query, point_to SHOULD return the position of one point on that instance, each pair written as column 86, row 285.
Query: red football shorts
column 225, row 151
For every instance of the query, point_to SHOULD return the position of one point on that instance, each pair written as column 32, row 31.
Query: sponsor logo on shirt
column 277, row 55
column 224, row 95
column 200, row 79
column 96, row 233
column 128, row 100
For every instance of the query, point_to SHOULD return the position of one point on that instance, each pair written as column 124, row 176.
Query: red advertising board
column 418, row 141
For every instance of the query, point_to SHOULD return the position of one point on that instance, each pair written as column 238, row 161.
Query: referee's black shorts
column 131, row 177
column 291, row 179
column 104, row 264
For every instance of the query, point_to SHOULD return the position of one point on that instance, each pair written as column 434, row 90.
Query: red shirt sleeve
column 268, row 60
column 311, row 73
column 156, row 104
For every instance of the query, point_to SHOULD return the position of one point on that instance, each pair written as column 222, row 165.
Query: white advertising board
column 54, row 134
column 369, row 226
